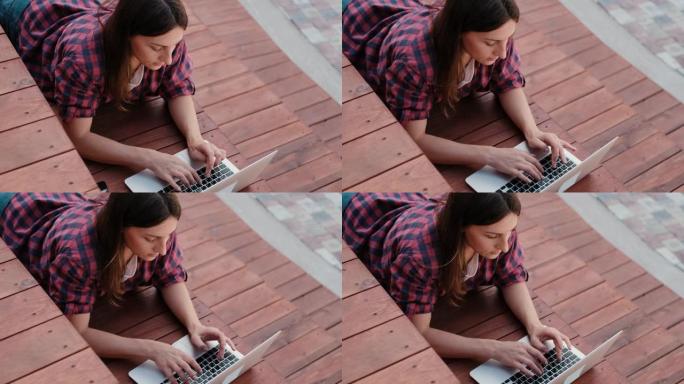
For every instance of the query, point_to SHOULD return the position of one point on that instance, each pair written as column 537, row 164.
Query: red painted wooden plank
column 379, row 347
column 371, row 155
column 418, row 174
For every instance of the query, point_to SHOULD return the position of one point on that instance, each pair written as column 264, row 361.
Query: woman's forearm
column 113, row 346
column 514, row 103
column 518, row 299
column 183, row 113
column 101, row 149
column 177, row 298
column 452, row 346
column 444, row 151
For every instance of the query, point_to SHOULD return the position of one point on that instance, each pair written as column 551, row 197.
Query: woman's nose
column 168, row 58
column 161, row 248
column 501, row 50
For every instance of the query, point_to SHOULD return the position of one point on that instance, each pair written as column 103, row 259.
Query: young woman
column 415, row 56
column 420, row 248
column 81, row 250
column 83, row 54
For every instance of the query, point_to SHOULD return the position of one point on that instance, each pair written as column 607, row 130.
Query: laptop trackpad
column 574, row 376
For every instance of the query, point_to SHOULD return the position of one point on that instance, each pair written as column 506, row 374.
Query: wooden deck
column 37, row 342
column 579, row 283
column 238, row 283
column 36, row 152
column 251, row 99
column 379, row 343
column 577, row 88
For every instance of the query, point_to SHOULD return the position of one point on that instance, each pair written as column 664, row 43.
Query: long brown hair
column 124, row 210
column 460, row 211
column 456, row 18
column 132, row 18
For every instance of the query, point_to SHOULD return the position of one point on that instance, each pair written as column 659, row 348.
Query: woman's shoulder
column 410, row 43
column 81, row 45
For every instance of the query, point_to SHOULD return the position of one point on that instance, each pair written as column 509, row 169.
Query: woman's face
column 156, row 51
column 149, row 243
column 487, row 47
column 491, row 240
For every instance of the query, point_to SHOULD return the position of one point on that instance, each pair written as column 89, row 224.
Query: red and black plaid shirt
column 60, row 41
column 53, row 235
column 395, row 235
column 389, row 43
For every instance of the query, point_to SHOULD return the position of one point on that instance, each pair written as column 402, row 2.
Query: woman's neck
column 465, row 59
column 468, row 253
column 133, row 65
column 127, row 255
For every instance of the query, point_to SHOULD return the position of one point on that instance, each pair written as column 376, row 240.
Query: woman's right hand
column 172, row 361
column 521, row 356
column 170, row 168
column 515, row 163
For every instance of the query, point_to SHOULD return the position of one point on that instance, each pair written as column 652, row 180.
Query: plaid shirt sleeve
column 506, row 74
column 407, row 96
column 177, row 80
column 168, row 270
column 75, row 94
column 70, row 287
column 411, row 284
column 509, row 268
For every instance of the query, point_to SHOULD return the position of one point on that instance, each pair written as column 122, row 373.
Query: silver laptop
column 214, row 371
column 558, row 179
column 573, row 365
column 224, row 176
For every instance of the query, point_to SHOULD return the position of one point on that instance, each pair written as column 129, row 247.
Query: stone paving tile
column 657, row 218
column 657, row 24
column 319, row 22
column 313, row 218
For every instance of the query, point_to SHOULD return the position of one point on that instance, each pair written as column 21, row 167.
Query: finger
column 189, row 360
column 555, row 152
column 568, row 145
column 533, row 365
column 211, row 159
column 537, row 165
column 175, row 369
column 197, row 341
column 232, row 345
column 188, row 371
column 192, row 173
column 522, row 368
column 222, row 347
column 168, row 373
column 538, row 344
column 169, row 179
column 531, row 170
column 567, row 342
column 537, row 355
column 523, row 177
column 558, row 345
column 184, row 177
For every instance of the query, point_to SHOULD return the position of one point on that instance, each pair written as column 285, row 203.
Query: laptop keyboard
column 217, row 174
column 552, row 369
column 550, row 175
column 211, row 366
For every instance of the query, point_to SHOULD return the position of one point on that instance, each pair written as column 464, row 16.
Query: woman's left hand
column 202, row 333
column 539, row 333
column 541, row 140
column 207, row 152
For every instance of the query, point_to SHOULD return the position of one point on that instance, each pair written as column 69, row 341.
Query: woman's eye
column 157, row 49
column 490, row 44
